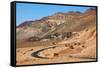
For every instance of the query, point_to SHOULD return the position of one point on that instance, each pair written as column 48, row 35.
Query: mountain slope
column 57, row 23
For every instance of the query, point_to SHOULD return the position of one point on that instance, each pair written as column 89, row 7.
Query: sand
column 79, row 48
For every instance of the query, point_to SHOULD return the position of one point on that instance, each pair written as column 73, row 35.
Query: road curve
column 36, row 53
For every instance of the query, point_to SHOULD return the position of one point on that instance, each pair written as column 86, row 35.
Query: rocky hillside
column 57, row 25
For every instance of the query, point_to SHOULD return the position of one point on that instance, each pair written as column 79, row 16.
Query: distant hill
column 57, row 23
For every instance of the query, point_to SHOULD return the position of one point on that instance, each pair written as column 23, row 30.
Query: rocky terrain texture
column 59, row 38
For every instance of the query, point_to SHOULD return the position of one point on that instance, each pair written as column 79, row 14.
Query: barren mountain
column 57, row 24
column 59, row 38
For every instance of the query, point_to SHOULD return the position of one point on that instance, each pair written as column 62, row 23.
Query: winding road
column 36, row 53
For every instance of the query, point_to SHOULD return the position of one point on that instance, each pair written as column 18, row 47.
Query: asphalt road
column 36, row 53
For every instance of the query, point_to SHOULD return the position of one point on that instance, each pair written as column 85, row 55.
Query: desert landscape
column 59, row 38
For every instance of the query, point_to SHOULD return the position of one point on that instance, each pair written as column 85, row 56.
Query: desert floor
column 79, row 48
